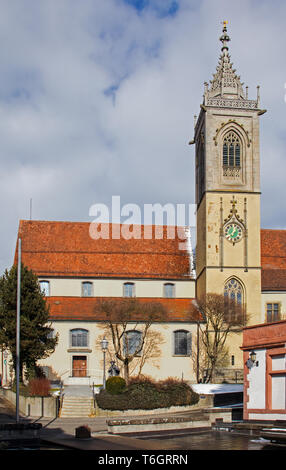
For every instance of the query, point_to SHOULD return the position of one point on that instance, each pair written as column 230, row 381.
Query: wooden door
column 79, row 366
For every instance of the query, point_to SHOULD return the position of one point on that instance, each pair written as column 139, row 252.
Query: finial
column 224, row 24
column 224, row 38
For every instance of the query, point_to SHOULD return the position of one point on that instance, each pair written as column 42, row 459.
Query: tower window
column 231, row 151
column 233, row 295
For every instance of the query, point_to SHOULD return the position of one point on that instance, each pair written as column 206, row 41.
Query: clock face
column 233, row 232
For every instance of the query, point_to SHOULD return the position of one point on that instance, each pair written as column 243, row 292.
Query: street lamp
column 104, row 346
column 252, row 360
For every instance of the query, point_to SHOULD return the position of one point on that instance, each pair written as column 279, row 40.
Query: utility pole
column 18, row 330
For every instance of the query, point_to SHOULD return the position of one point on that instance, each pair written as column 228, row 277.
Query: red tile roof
column 273, row 259
column 85, row 308
column 67, row 249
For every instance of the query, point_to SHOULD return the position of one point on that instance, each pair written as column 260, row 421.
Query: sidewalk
column 61, row 432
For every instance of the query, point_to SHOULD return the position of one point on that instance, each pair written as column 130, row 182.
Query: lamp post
column 104, row 346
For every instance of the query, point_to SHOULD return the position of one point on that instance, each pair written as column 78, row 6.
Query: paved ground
column 78, row 390
column 61, row 431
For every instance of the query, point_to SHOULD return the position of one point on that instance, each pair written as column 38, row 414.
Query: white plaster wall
column 265, row 417
column 163, row 366
column 256, row 378
column 114, row 287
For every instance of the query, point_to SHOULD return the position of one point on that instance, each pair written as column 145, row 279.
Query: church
column 235, row 257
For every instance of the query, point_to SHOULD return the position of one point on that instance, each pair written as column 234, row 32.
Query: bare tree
column 128, row 322
column 221, row 316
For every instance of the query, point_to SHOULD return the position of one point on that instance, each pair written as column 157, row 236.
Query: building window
column 182, row 343
column 129, row 289
column 79, row 338
column 272, row 312
column 231, row 153
column 87, row 289
column 233, row 291
column 45, row 287
column 169, row 290
column 233, row 295
column 132, row 342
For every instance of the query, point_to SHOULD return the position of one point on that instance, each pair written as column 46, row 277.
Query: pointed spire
column 225, row 82
column 226, row 88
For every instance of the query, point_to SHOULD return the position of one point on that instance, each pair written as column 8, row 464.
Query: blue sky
column 161, row 8
column 97, row 98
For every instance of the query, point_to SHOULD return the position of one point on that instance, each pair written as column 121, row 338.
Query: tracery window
column 231, row 153
column 233, row 291
column 233, row 294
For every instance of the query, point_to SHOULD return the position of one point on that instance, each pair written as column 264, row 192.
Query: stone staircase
column 76, row 407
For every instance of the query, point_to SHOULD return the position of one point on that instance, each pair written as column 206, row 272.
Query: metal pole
column 18, row 330
column 104, row 380
column 198, row 352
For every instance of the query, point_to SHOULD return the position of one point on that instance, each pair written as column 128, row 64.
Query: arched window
column 86, row 289
column 182, row 343
column 129, row 289
column 233, row 291
column 132, row 342
column 45, row 287
column 79, row 338
column 233, row 294
column 169, row 290
column 231, row 151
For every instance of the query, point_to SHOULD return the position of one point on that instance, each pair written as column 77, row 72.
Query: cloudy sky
column 97, row 98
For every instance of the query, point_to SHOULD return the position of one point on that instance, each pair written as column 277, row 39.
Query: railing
column 94, row 376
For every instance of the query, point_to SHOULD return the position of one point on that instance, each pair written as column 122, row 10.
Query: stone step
column 76, row 407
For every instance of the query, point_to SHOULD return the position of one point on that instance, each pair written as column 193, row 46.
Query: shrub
column 39, row 387
column 115, row 385
column 145, row 393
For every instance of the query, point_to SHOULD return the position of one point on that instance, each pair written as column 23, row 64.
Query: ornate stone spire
column 226, row 89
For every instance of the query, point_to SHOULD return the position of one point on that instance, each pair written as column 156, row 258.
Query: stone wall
column 33, row 406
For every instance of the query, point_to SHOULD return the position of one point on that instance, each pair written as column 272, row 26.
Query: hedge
column 147, row 395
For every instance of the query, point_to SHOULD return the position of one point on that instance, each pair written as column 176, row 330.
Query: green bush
column 144, row 393
column 115, row 385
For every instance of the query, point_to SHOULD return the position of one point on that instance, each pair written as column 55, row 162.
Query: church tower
column 228, row 189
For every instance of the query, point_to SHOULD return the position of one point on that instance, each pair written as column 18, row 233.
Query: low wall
column 45, row 407
column 204, row 420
